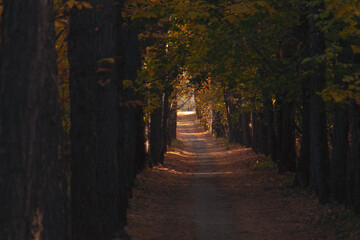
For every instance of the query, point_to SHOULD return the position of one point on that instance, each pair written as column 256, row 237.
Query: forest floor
column 207, row 189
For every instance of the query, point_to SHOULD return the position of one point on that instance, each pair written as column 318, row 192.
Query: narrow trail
column 209, row 208
column 205, row 190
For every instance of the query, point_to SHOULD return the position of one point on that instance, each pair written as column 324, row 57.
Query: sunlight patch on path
column 186, row 113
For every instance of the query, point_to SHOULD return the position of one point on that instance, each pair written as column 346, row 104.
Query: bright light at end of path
column 186, row 113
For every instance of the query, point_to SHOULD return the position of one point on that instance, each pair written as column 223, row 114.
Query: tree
column 319, row 152
column 83, row 86
column 108, row 157
column 32, row 185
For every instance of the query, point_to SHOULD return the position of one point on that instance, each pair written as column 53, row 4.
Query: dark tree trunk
column 287, row 160
column 259, row 130
column 319, row 153
column 140, row 140
column 107, row 120
column 302, row 176
column 173, row 122
column 279, row 111
column 340, row 142
column 245, row 129
column 166, row 113
column 32, row 189
column 255, row 136
column 127, row 142
column 339, row 153
column 270, row 133
column 156, row 136
column 233, row 116
column 84, row 149
column 355, row 154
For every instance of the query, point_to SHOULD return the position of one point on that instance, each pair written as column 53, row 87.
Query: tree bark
column 259, row 140
column 278, row 127
column 32, row 176
column 173, row 122
column 245, row 129
column 233, row 116
column 287, row 161
column 127, row 65
column 83, row 91
column 156, row 136
column 140, row 140
column 269, row 117
column 107, row 119
column 340, row 142
column 302, row 176
column 355, row 154
column 166, row 113
column 319, row 155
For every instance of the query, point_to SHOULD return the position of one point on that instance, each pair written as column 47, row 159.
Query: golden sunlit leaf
column 87, row 5
column 70, row 3
column 60, row 23
column 79, row 6
column 356, row 49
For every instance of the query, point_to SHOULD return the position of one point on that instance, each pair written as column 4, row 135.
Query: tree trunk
column 270, row 133
column 233, row 116
column 259, row 141
column 140, row 140
column 339, row 153
column 340, row 141
column 245, row 129
column 83, row 92
column 319, row 154
column 166, row 113
column 355, row 153
column 302, row 176
column 107, row 120
column 287, row 161
column 279, row 111
column 173, row 122
column 127, row 65
column 33, row 189
column 156, row 136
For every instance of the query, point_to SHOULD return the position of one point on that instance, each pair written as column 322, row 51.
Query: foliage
column 209, row 102
column 61, row 28
column 340, row 22
column 344, row 222
column 264, row 165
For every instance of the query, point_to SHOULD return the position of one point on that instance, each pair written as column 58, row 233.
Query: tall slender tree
column 107, row 119
column 319, row 152
column 83, row 85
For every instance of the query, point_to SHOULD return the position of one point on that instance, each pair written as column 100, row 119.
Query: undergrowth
column 344, row 222
column 264, row 165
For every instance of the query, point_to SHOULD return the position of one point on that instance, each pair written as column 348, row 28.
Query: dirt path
column 209, row 208
column 205, row 190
